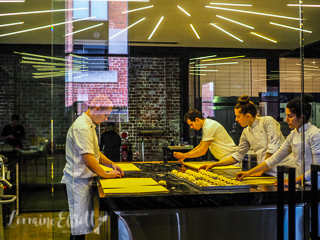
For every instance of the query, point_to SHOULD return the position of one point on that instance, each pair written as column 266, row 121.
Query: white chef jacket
column 264, row 136
column 293, row 145
column 222, row 145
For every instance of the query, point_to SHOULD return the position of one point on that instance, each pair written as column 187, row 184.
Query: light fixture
column 81, row 30
column 35, row 59
column 192, row 63
column 127, row 28
column 54, row 58
column 227, row 32
column 307, row 65
column 198, row 67
column 230, row 20
column 44, row 11
column 257, row 13
column 156, row 27
column 11, row 1
column 302, row 5
column 214, row 64
column 203, row 57
column 285, row 26
column 233, row 4
column 11, row 24
column 77, row 56
column 259, row 35
column 198, row 74
column 215, row 59
column 203, row 70
column 183, row 10
column 37, row 28
column 137, row 9
column 195, row 32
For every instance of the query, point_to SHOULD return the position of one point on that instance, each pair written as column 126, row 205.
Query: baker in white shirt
column 297, row 121
column 215, row 138
column 262, row 134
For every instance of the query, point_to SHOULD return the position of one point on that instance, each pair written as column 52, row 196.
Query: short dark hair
column 246, row 106
column 192, row 114
column 15, row 117
column 295, row 106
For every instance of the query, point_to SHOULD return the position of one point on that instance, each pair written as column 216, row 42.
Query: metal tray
column 227, row 187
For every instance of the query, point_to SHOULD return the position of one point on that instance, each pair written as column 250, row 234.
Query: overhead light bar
column 203, row 70
column 183, row 10
column 214, row 64
column 198, row 74
column 257, row 13
column 198, row 67
column 81, row 30
column 137, row 9
column 215, row 59
column 203, row 57
column 54, row 58
column 11, row 24
column 156, row 27
column 236, row 22
column 11, row 1
column 43, row 63
column 44, row 11
column 227, row 32
column 192, row 63
column 285, row 26
column 35, row 59
column 77, row 56
column 302, row 5
column 127, row 28
column 233, row 4
column 195, row 32
column 307, row 65
column 269, row 39
column 37, row 28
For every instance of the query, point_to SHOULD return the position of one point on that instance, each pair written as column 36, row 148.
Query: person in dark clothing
column 110, row 143
column 13, row 133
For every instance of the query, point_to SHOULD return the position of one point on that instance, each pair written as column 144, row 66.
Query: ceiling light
column 11, row 24
column 230, row 20
column 203, row 57
column 227, row 32
column 44, row 11
column 198, row 67
column 81, row 30
column 285, row 26
column 232, row 4
column 37, row 28
column 269, row 39
column 54, row 58
column 198, row 74
column 202, row 70
column 192, row 62
column 215, row 59
column 212, row 64
column 127, row 28
column 11, row 1
column 35, row 59
column 156, row 27
column 77, row 56
column 195, row 32
column 137, row 9
column 183, row 10
column 302, row 5
column 307, row 65
column 257, row 13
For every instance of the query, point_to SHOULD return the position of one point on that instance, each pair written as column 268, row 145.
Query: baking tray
column 227, row 187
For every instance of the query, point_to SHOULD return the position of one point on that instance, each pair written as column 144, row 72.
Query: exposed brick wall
column 116, row 19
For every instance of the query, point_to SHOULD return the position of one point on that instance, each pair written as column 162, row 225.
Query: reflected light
column 127, row 28
column 44, row 11
column 203, row 57
column 258, row 35
column 257, row 13
column 81, row 30
column 230, row 20
column 302, row 5
column 232, row 4
column 226, row 32
column 77, row 56
column 35, row 59
column 198, row 74
column 198, row 67
column 183, row 10
column 195, row 32
column 54, row 58
column 11, row 24
column 137, row 9
column 156, row 27
column 285, row 26
column 11, row 1
column 212, row 64
column 215, row 59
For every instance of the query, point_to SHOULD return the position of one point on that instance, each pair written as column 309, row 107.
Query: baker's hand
column 114, row 174
column 241, row 175
column 10, row 137
column 116, row 167
column 206, row 166
column 180, row 156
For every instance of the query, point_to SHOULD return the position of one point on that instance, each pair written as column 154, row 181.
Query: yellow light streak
column 203, row 57
column 77, row 56
column 192, row 62
column 261, row 36
column 307, row 65
column 215, row 59
column 127, row 28
column 184, row 11
column 214, row 64
column 84, row 29
column 137, row 9
column 221, row 29
column 156, row 27
column 236, row 22
column 35, row 59
column 232, row 4
column 11, row 24
column 198, row 67
column 250, row 12
column 198, row 74
column 37, row 28
column 47, row 57
column 44, row 63
column 11, row 1
column 302, row 5
column 195, row 32
column 204, row 70
column 285, row 26
column 43, row 11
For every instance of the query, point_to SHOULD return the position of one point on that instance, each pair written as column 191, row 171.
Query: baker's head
column 194, row 119
column 245, row 111
column 15, row 119
column 100, row 107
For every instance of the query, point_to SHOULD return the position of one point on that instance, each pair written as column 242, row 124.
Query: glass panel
column 81, row 13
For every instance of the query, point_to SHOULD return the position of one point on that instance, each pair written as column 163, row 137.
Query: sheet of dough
column 142, row 182
column 127, row 182
column 150, row 189
column 127, row 190
column 126, row 167
column 259, row 180
column 197, row 165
